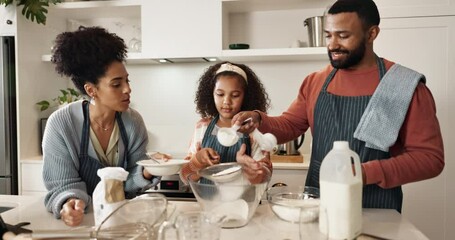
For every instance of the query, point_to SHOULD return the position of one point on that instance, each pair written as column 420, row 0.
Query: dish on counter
column 162, row 167
column 294, row 204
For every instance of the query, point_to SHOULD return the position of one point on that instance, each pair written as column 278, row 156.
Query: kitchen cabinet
column 32, row 177
column 289, row 174
column 8, row 20
column 193, row 31
column 181, row 28
column 270, row 28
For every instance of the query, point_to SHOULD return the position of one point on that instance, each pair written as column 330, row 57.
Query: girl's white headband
column 227, row 67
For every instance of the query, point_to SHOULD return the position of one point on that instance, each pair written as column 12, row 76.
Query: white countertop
column 387, row 224
column 276, row 165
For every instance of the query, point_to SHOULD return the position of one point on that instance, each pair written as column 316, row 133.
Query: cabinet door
column 32, row 178
column 8, row 20
column 426, row 45
column 290, row 177
column 181, row 28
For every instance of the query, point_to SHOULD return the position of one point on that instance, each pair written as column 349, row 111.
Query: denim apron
column 227, row 154
column 335, row 119
column 88, row 165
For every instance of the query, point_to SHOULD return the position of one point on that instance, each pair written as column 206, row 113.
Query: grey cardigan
column 61, row 147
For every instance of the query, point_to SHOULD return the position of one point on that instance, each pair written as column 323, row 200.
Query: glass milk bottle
column 341, row 186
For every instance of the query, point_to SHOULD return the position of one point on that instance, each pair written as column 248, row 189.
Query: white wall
column 164, row 95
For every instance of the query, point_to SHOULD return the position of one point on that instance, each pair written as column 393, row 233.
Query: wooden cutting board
column 286, row 158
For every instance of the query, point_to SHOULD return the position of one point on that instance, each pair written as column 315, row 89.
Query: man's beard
column 353, row 57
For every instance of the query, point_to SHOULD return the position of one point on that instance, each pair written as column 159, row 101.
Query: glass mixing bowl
column 294, row 204
column 237, row 200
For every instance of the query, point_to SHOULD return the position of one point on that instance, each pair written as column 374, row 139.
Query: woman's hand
column 161, row 156
column 253, row 169
column 72, row 212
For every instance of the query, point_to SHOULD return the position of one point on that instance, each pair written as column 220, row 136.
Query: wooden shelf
column 271, row 5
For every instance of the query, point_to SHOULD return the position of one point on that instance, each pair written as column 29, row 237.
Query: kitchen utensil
column 197, row 225
column 162, row 167
column 138, row 218
column 289, row 203
column 315, row 31
column 221, row 173
column 291, row 147
column 228, row 136
column 240, row 197
column 267, row 141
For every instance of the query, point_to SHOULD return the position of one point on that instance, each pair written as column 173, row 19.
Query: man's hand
column 247, row 127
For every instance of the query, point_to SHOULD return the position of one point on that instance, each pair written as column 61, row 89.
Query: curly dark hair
column 85, row 54
column 256, row 98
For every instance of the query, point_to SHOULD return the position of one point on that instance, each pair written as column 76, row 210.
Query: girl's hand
column 207, row 157
column 72, row 212
column 253, row 169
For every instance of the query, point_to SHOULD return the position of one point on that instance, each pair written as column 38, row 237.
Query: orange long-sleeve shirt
column 418, row 153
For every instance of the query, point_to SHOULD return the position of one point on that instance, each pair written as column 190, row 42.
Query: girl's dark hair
column 256, row 98
column 85, row 54
column 365, row 9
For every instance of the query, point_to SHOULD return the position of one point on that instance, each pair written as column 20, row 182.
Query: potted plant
column 33, row 9
column 67, row 95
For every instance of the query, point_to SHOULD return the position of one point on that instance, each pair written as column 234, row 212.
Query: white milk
column 341, row 188
column 342, row 204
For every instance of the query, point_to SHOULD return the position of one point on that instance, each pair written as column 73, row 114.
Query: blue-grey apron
column 227, row 154
column 335, row 119
column 88, row 165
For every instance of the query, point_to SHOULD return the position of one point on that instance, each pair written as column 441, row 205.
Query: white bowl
column 296, row 205
column 162, row 168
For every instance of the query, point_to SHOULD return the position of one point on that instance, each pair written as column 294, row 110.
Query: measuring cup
column 196, row 225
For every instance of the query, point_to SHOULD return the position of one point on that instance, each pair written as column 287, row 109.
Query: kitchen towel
column 385, row 113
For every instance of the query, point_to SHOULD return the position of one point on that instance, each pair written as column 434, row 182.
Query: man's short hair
column 365, row 9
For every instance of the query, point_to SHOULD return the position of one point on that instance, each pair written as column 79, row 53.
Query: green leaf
column 64, row 92
column 6, row 2
column 34, row 9
column 43, row 105
column 73, row 92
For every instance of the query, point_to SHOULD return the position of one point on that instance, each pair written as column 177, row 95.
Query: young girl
column 224, row 90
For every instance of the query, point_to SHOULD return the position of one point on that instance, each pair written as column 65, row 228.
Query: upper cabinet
column 181, row 28
column 274, row 30
column 8, row 20
column 196, row 30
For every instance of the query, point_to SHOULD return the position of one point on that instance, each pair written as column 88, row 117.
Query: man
column 332, row 103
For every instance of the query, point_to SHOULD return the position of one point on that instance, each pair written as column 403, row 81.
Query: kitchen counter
column 387, row 224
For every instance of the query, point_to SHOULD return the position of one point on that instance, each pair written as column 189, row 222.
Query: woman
column 86, row 136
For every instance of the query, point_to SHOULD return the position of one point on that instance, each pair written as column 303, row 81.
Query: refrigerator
column 8, row 123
